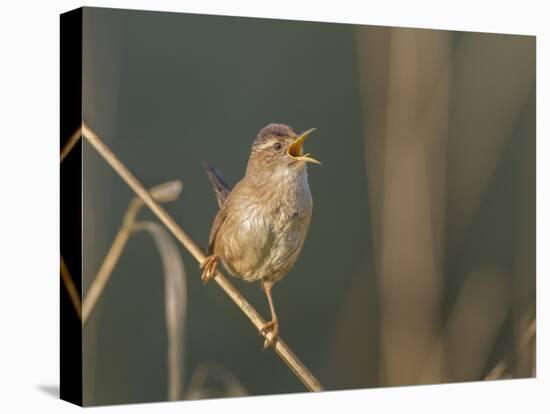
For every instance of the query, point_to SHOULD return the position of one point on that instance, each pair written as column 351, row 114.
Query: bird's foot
column 273, row 328
column 209, row 268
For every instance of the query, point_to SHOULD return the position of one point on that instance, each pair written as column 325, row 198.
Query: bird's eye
column 277, row 146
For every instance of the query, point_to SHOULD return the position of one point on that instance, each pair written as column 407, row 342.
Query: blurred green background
column 419, row 266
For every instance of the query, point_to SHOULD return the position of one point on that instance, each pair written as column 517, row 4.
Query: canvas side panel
column 71, row 204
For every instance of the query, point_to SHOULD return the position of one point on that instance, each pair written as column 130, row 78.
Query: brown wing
column 218, row 221
column 221, row 189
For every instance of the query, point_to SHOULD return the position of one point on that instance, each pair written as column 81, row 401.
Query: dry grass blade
column 166, row 192
column 71, row 288
column 70, row 145
column 65, row 274
column 162, row 193
column 104, row 273
column 501, row 369
column 528, row 335
column 232, row 386
column 280, row 346
column 175, row 302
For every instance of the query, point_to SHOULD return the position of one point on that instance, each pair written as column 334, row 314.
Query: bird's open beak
column 295, row 149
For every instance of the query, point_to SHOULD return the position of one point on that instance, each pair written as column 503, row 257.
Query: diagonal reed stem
column 284, row 352
column 64, row 270
column 104, row 273
column 70, row 144
column 71, row 288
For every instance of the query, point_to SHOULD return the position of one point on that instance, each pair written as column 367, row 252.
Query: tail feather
column 221, row 189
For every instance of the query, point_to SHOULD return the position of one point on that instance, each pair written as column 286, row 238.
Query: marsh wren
column 261, row 225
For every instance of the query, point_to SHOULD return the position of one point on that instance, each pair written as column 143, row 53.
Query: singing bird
column 262, row 222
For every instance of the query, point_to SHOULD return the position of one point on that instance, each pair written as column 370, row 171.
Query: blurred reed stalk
column 71, row 288
column 437, row 115
column 175, row 302
column 493, row 79
column 502, row 369
column 280, row 347
column 473, row 324
column 404, row 80
column 197, row 389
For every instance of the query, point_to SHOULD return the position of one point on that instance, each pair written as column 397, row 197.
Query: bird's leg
column 209, row 268
column 273, row 325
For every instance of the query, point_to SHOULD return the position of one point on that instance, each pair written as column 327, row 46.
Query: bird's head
column 278, row 147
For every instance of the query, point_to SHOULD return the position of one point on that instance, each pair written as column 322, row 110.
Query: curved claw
column 209, row 267
column 273, row 327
